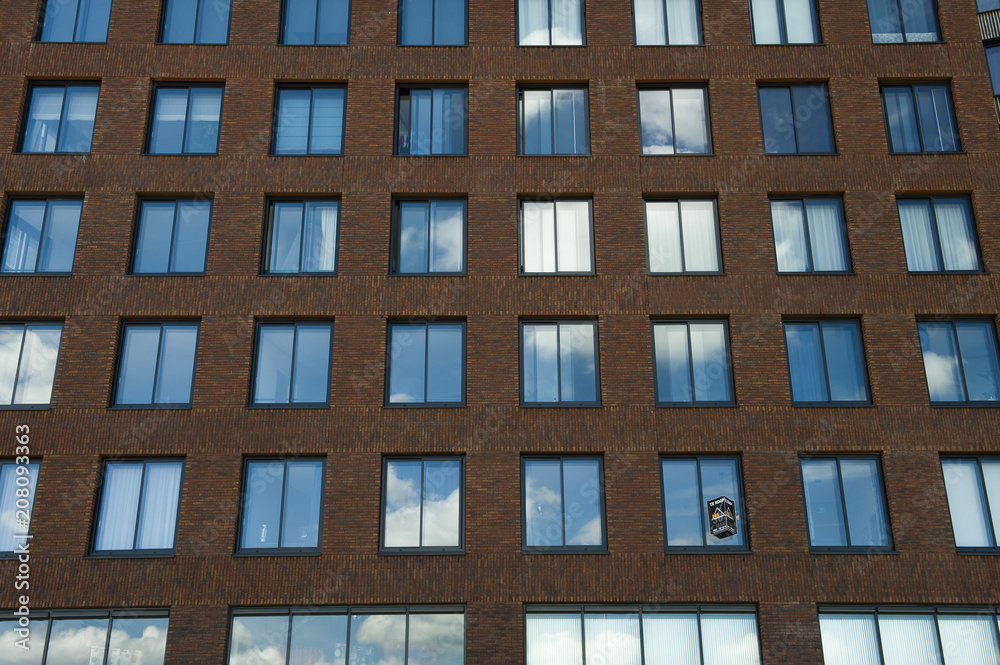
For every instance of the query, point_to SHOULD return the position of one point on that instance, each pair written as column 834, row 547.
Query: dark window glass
column 282, row 505
column 826, row 362
column 429, row 238
column 987, row 5
column 323, row 22
column 563, row 504
column 172, row 237
column 692, row 363
column 28, row 354
column 920, row 118
column 423, row 505
column 973, row 486
column 897, row 21
column 784, row 22
column 138, row 507
column 425, row 364
column 674, row 121
column 960, row 361
column 683, row 237
column 15, row 526
column 689, row 483
column 432, row 22
column 556, row 237
column 553, row 121
column 60, row 118
column 938, row 235
column 309, row 121
column 75, row 21
column 186, row 121
column 431, row 121
column 550, row 22
column 41, row 236
column 196, row 21
column 302, row 237
column 662, row 22
column 993, row 61
column 845, row 503
column 796, row 119
column 559, row 363
column 157, row 364
column 809, row 235
column 293, row 364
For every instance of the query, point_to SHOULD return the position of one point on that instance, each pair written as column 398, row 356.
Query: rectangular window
column 796, row 120
column 550, row 22
column 784, row 21
column 845, row 503
column 973, row 487
column 683, row 237
column 28, row 354
column 663, row 22
column 75, row 21
column 423, row 508
column 897, row 21
column 559, row 363
column 196, row 21
column 359, row 635
column 17, row 499
column 186, row 120
column 563, row 499
column 826, row 363
column 431, row 121
column 302, row 238
column 428, row 237
column 938, row 235
column 309, row 121
column 282, row 506
column 553, row 121
column 41, row 236
column 987, row 5
column 157, row 364
column 293, row 364
column 689, row 484
column 172, row 238
column 920, row 118
column 692, row 363
column 138, row 511
column 425, row 364
column 60, row 118
column 960, row 361
column 674, row 121
column 320, row 22
column 557, row 237
column 993, row 63
column 809, row 235
column 432, row 22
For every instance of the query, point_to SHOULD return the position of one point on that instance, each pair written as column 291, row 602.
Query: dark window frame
column 991, row 325
column 987, row 508
column 701, row 26
column 706, row 549
column 265, row 250
column 959, row 148
column 431, row 86
column 30, row 88
column 844, row 236
column 423, row 549
column 394, row 239
column 564, row 549
column 134, row 245
column 783, row 28
column 729, row 362
column 937, row 233
column 595, row 323
column 673, row 116
column 681, row 199
column 122, row 331
column 9, row 209
column 519, row 101
column 826, row 374
column 151, row 119
column 284, row 18
column 161, row 31
column 244, row 486
column 795, row 129
column 110, row 614
column 427, row 323
column 311, row 88
column 41, row 25
column 261, row 323
column 583, row 28
column 399, row 28
column 24, row 323
column 12, row 461
column 521, row 200
column 902, row 25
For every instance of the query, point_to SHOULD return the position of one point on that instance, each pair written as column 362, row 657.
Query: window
column 559, row 363
column 550, row 22
column 692, row 363
column 157, row 364
column 796, row 120
column 41, row 236
column 845, row 504
column 432, row 22
column 938, row 235
column 138, row 512
column 784, row 21
column 423, row 505
column 293, row 364
column 357, row 635
column 689, row 484
column 282, row 506
column 683, row 237
column 973, row 487
column 987, row 5
column 429, row 238
column 186, row 120
column 556, row 237
column 960, row 361
column 553, row 121
column 320, row 22
column 431, row 121
column 674, row 121
column 172, row 237
column 60, row 118
column 196, row 21
column 660, row 22
column 682, row 634
column 896, row 21
column 15, row 510
column 309, row 121
column 75, row 21
column 28, row 353
column 826, row 363
column 563, row 499
column 425, row 364
column 993, row 63
column 920, row 118
column 809, row 235
column 302, row 238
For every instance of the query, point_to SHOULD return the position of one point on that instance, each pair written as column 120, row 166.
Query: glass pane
column 766, row 21
column 59, row 21
column 901, row 119
column 262, row 504
column 919, row 239
column 299, row 22
column 319, row 241
column 670, row 639
column 312, row 364
column 191, row 236
column 920, row 21
column 966, row 503
column 730, row 639
column 655, row 115
column 958, row 242
column 543, row 504
column 156, row 228
column 445, row 374
column 885, row 21
column 944, row 379
column 286, row 237
column 213, row 22
column 993, row 61
column 413, row 237
column 169, row 114
column 812, row 117
column 673, row 362
column 613, row 639
column 402, row 503
column 936, row 124
column 327, row 121
column 719, row 478
column 987, row 5
column 538, row 236
column 24, row 234
column 777, row 120
column 11, row 338
column 77, row 129
column 791, row 250
column 274, row 365
column 536, row 112
column 175, row 378
column 442, row 503
column 59, row 243
column 865, row 507
column 968, row 640
column 553, row 639
column 903, row 637
column 805, row 363
column 303, row 503
column 138, row 369
column 203, row 125
column 448, row 126
column 701, row 245
column 10, row 524
column 991, row 478
column 378, row 638
column 826, row 235
column 532, row 22
column 292, row 128
column 577, row 365
column 75, row 641
column 160, row 497
column 570, row 119
column 119, row 506
column 849, row 639
column 407, row 363
column 650, row 23
column 416, row 22
column 540, row 369
column 573, row 236
column 681, row 503
column 979, row 360
column 683, row 17
column 449, row 22
column 584, row 521
column 691, row 120
column 44, row 113
column 844, row 362
column 823, row 503
column 447, row 236
column 800, row 22
column 38, row 364
column 179, row 21
column 138, row 640
column 664, row 232
column 436, row 639
column 710, row 362
column 421, row 121
column 317, row 639
column 334, row 16
column 9, row 639
column 258, row 640
column 567, row 22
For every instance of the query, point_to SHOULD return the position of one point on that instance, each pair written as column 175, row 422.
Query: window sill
column 332, row 273
column 166, row 274
column 51, row 152
column 927, row 152
column 852, row 550
column 977, row 551
column 278, row 552
column 835, row 273
column 310, row 405
column 306, row 154
column 315, row 45
column 560, row 154
column 25, row 407
column 560, row 405
column 424, row 405
column 686, row 274
column 801, row 154
column 130, row 554
column 422, row 552
column 721, row 549
column 833, row 404
column 563, row 550
column 946, row 272
column 677, row 154
column 159, row 407
column 695, row 405
column 50, row 41
column 428, row 274
column 35, row 274
column 977, row 404
column 181, row 154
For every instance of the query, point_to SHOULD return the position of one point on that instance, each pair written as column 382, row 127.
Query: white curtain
column 664, row 231
column 567, row 22
column 849, row 639
column 8, row 504
column 539, row 236
column 327, row 121
column 119, row 505
column 553, row 639
column 766, row 24
column 573, row 236
column 532, row 22
column 991, row 478
column 320, row 240
column 541, row 371
column 537, row 120
column 701, row 248
column 670, row 639
column 730, row 639
column 800, row 22
column 612, row 639
column 909, row 640
column 38, row 364
column 826, row 236
column 918, row 236
column 448, row 127
column 682, row 19
column 650, row 23
column 10, row 353
column 790, row 236
column 160, row 496
column 966, row 503
column 447, row 235
column 958, row 245
column 968, row 640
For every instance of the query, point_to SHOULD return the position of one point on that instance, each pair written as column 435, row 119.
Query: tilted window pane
column 691, row 120
column 960, row 361
column 179, row 21
column 920, row 240
column 190, row 243
column 863, row 499
column 203, row 121
column 41, row 236
column 849, row 639
column 938, row 235
column 967, row 503
column 958, row 241
column 44, row 113
column 820, row 481
column 77, row 128
column 169, row 115
column 157, row 364
column 991, row 480
column 903, row 636
column 196, row 22
column 944, row 378
column 28, row 363
column 778, row 120
column 977, row 342
column 24, row 235
column 156, row 229
column 12, row 529
column 553, row 639
column 176, row 371
column 59, row 21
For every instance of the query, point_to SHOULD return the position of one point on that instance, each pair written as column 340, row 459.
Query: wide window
column 784, row 21
column 662, row 22
column 41, row 236
column 845, row 503
column 692, row 363
column 674, row 121
column 920, row 118
column 60, row 118
column 321, row 22
column 302, row 238
column 826, row 362
column 960, row 361
column 553, row 121
column 556, row 237
column 425, row 364
column 628, row 635
column 429, row 237
column 796, row 119
column 559, row 363
column 28, row 353
column 809, row 235
column 563, row 501
column 309, row 121
column 196, row 21
column 938, row 235
column 138, row 511
column 157, row 364
column 896, row 21
column 186, row 120
column 282, row 505
column 432, row 22
column 15, row 520
column 683, row 237
column 172, row 237
column 693, row 518
column 292, row 367
column 75, row 21
column 973, row 486
column 550, row 22
column 431, row 121
column 422, row 504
